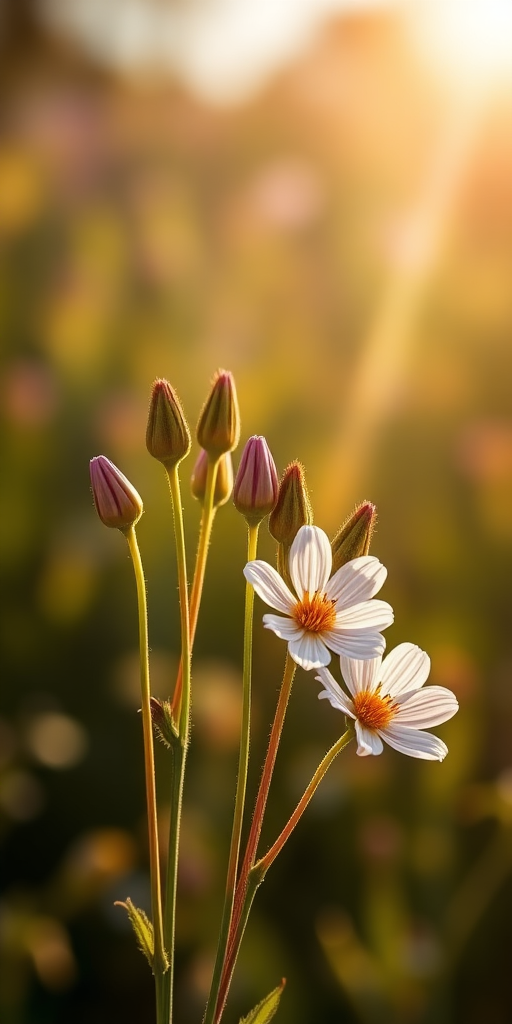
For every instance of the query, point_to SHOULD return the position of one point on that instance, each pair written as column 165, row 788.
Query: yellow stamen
column 315, row 614
column 372, row 710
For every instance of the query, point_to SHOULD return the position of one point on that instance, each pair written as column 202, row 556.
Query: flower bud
column 293, row 507
column 163, row 724
column 167, row 434
column 353, row 538
column 218, row 430
column 223, row 482
column 256, row 484
column 118, row 504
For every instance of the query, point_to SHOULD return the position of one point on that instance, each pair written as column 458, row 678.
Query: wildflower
column 335, row 613
column 117, row 502
column 387, row 702
column 256, row 484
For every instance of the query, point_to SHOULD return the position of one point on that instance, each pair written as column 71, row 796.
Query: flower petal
column 404, row 668
column 309, row 651
column 367, row 742
column 422, row 709
column 360, row 675
column 414, row 742
column 310, row 560
column 365, row 614
column 360, row 644
column 269, row 586
column 333, row 693
column 286, row 629
column 356, row 581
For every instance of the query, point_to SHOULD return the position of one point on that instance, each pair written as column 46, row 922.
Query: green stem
column 258, row 871
column 255, row 831
column 259, row 809
column 159, row 956
column 179, row 757
column 179, row 749
column 268, row 769
column 205, row 532
column 181, row 699
column 174, row 484
column 243, row 764
column 264, row 863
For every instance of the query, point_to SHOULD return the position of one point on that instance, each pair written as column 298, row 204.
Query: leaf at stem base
column 142, row 927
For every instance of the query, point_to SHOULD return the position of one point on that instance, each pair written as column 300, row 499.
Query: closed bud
column 256, row 485
column 163, row 723
column 118, row 504
column 293, row 507
column 354, row 537
column 167, row 434
column 223, row 480
column 218, row 430
column 293, row 510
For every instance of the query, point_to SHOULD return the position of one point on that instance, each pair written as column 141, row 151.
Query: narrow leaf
column 265, row 1010
column 142, row 927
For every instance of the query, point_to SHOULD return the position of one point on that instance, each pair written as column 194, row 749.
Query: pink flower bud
column 218, row 430
column 223, row 482
column 256, row 483
column 118, row 504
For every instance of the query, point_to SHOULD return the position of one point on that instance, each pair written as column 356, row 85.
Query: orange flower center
column 315, row 614
column 372, row 710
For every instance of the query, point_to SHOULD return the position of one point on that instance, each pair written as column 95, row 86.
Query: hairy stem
column 159, row 955
column 264, row 863
column 243, row 765
column 179, row 749
column 196, row 590
column 258, row 870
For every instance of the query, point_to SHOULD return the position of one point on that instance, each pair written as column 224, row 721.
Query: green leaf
column 265, row 1010
column 142, row 927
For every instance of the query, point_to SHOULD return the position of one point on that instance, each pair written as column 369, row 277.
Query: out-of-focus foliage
column 339, row 248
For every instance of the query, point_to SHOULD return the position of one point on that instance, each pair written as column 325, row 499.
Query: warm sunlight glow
column 469, row 41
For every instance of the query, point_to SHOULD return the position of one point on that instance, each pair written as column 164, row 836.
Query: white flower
column 334, row 613
column 388, row 704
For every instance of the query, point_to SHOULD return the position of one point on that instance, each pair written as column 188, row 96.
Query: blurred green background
column 337, row 231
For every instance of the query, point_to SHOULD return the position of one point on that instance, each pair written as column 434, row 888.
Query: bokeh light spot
column 56, row 740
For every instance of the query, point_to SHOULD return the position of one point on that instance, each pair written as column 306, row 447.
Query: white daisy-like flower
column 334, row 614
column 387, row 702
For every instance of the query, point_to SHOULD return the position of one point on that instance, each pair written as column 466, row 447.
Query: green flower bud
column 118, row 504
column 293, row 507
column 354, row 537
column 218, row 430
column 223, row 482
column 256, row 484
column 167, row 434
column 292, row 510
